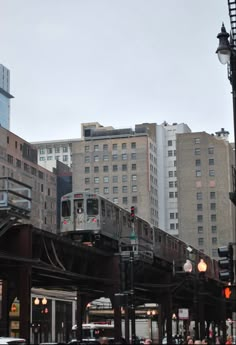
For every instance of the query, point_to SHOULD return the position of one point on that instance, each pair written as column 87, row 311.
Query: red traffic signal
column 132, row 213
column 227, row 292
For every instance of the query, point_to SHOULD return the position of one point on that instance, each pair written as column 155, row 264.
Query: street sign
column 183, row 314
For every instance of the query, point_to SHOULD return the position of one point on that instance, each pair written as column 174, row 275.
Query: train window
column 79, row 206
column 108, row 210
column 124, row 220
column 103, row 207
column 145, row 229
column 92, row 207
column 66, row 208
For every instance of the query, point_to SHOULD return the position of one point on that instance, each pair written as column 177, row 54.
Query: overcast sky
column 118, row 62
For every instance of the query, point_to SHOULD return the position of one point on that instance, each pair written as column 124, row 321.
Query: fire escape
column 15, row 203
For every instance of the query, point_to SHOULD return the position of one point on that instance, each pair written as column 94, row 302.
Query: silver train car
column 96, row 221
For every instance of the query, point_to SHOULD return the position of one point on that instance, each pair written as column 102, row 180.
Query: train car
column 96, row 221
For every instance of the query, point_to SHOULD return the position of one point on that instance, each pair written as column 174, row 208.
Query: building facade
column 50, row 152
column 204, row 177
column 119, row 164
column 167, row 178
column 5, row 97
column 18, row 160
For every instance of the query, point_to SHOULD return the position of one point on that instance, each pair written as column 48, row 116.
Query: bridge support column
column 25, row 302
column 169, row 317
column 118, row 301
column 79, row 315
column 4, row 319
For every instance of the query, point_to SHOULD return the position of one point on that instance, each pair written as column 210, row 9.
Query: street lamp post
column 227, row 55
column 202, row 267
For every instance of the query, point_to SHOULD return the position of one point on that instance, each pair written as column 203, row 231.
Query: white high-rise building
column 167, row 179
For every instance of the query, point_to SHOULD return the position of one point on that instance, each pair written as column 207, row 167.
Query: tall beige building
column 18, row 160
column 120, row 164
column 204, row 177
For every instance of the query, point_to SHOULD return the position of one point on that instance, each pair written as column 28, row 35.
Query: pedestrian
column 103, row 341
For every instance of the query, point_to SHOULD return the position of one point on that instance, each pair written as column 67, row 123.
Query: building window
column 198, row 162
column 124, row 156
column 213, row 217
column 199, row 218
column 115, row 167
column 212, row 195
column 169, row 142
column 133, row 155
column 105, row 179
column 211, row 150
column 196, row 140
column 96, row 169
column 211, row 172
column 172, row 215
column 125, row 200
column 134, row 199
column 213, row 206
column 171, row 173
column 10, row 159
column 198, row 173
column 49, row 150
column 170, row 153
column 172, row 226
column 42, row 158
column 86, row 148
column 124, row 146
column 114, row 147
column 65, row 158
column 199, row 195
column 214, row 252
column 57, row 158
column 214, row 240
column 133, row 167
column 199, row 207
column 115, row 179
column 96, row 190
column 105, row 147
column 124, row 167
column 200, row 229
column 115, row 200
column 124, row 189
column 105, row 168
column 86, row 159
column 211, row 161
column 214, row 229
column 65, row 149
column 106, row 158
column 115, row 190
column 133, row 145
column 87, row 170
column 87, row 180
column 96, row 147
column 41, row 151
column 18, row 163
column 114, row 157
column 96, row 179
column 197, row 151
column 201, row 241
column 124, row 178
column 171, row 194
column 171, row 184
column 49, row 158
column 57, row 149
column 106, row 190
column 96, row 158
column 134, row 177
column 134, row 188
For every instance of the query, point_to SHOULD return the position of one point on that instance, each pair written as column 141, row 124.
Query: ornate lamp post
column 227, row 55
column 202, row 267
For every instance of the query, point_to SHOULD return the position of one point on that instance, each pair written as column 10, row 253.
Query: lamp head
column 202, row 266
column 188, row 267
column 224, row 49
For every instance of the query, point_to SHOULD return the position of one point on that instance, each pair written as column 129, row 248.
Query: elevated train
column 96, row 221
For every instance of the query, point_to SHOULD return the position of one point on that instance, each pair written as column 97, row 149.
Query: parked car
column 12, row 341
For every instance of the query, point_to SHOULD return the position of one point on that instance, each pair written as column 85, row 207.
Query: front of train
column 80, row 216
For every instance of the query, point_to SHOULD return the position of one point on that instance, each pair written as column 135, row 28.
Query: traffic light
column 132, row 214
column 227, row 292
column 227, row 263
